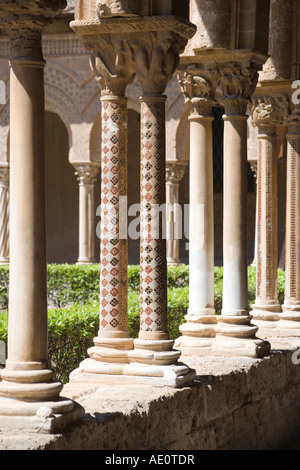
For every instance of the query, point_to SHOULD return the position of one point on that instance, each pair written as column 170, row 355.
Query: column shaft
column 86, row 174
column 86, row 224
column 235, row 282
column 4, row 216
column 113, row 262
column 201, row 242
column 27, row 342
column 266, row 307
column 153, row 286
column 289, row 324
column 174, row 173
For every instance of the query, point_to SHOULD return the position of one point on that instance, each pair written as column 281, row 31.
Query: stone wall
column 234, row 403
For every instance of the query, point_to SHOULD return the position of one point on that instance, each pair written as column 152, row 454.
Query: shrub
column 71, row 328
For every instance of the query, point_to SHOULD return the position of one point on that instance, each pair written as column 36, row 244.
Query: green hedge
column 73, row 290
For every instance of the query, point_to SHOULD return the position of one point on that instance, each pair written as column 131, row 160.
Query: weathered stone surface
column 230, row 406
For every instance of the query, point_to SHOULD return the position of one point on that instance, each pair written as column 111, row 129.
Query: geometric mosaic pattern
column 153, row 262
column 113, row 254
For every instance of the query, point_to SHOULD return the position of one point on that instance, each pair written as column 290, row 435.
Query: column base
column 145, row 366
column 197, row 334
column 49, row 417
column 247, row 347
column 30, row 401
column 266, row 317
column 236, row 336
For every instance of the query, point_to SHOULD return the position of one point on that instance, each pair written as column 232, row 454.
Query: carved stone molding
column 149, row 46
column 86, row 173
column 175, row 172
column 198, row 88
column 235, row 87
column 269, row 111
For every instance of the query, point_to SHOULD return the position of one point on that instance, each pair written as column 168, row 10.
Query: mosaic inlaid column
column 154, row 354
column 174, row 174
column 235, row 332
column 289, row 323
column 86, row 175
column 267, row 113
column 29, row 395
column 4, row 215
column 199, row 330
column 112, row 61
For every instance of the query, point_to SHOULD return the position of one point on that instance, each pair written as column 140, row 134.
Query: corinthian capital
column 235, row 87
column 198, row 89
column 86, row 172
column 270, row 110
column 175, row 172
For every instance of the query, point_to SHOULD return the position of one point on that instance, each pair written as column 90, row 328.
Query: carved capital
column 158, row 59
column 24, row 22
column 86, row 173
column 236, row 85
column 269, row 111
column 113, row 62
column 175, row 172
column 198, row 89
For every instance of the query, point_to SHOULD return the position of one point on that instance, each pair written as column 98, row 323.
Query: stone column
column 113, row 62
column 86, row 174
column 29, row 395
column 235, row 333
column 267, row 113
column 4, row 215
column 199, row 329
column 289, row 323
column 174, row 174
column 157, row 60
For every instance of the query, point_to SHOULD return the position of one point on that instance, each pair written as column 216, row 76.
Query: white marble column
column 29, row 394
column 235, row 332
column 267, row 113
column 199, row 330
column 174, row 174
column 86, row 174
column 289, row 323
column 4, row 215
